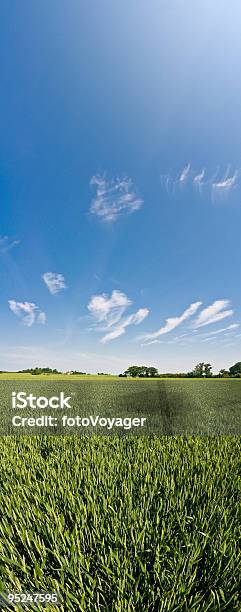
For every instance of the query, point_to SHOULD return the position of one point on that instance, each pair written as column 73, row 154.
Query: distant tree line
column 201, row 370
column 36, row 371
column 77, row 372
column 141, row 372
column 39, row 371
column 103, row 374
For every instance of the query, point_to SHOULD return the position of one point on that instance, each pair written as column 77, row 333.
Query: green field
column 175, row 407
column 126, row 523
column 56, row 377
column 122, row 524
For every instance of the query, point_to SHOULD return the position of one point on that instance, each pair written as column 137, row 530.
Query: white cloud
column 114, row 198
column 221, row 188
column 184, row 174
column 118, row 331
column 220, row 331
column 42, row 318
column 181, row 336
column 55, row 282
column 214, row 313
column 108, row 310
column 152, row 342
column 199, row 182
column 217, row 188
column 27, row 312
column 6, row 244
column 198, row 179
column 134, row 319
column 169, row 183
column 139, row 316
column 226, row 183
column 173, row 322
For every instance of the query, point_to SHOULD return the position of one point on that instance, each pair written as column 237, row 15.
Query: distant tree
column 223, row 373
column 207, row 370
column 152, row 372
column 198, row 371
column 103, row 374
column 235, row 369
column 201, row 370
column 141, row 371
column 78, row 373
column 133, row 371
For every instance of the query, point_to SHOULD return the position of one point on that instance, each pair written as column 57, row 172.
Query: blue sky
column 120, row 184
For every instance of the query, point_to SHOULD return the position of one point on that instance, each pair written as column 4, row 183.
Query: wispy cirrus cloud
column 191, row 337
column 114, row 198
column 217, row 186
column 108, row 310
column 28, row 312
column 198, row 180
column 6, row 244
column 217, row 311
column 107, row 313
column 54, row 281
column 171, row 183
column 227, row 182
column 229, row 328
column 173, row 322
column 151, row 342
column 222, row 187
column 134, row 319
column 185, row 174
